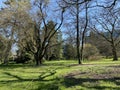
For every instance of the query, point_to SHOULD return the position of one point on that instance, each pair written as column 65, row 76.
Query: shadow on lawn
column 69, row 82
column 44, row 84
column 41, row 77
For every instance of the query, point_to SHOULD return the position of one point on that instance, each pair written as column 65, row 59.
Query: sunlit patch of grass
column 103, row 62
column 107, row 83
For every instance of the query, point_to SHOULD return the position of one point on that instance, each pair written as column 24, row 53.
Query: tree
column 12, row 19
column 107, row 25
column 55, row 44
column 74, row 7
column 20, row 24
column 41, row 39
column 84, row 31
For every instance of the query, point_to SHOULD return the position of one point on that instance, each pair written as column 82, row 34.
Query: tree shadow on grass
column 14, row 76
column 44, row 84
column 72, row 82
column 69, row 82
column 52, row 85
column 41, row 77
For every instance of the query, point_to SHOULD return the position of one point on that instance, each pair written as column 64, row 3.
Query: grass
column 62, row 75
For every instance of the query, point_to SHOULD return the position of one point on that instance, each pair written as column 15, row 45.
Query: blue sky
column 1, row 1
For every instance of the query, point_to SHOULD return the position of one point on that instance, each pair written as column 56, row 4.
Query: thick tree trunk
column 38, row 59
column 37, row 62
column 115, row 57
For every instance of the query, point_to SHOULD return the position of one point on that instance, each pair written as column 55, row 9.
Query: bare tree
column 75, row 10
column 107, row 25
column 84, row 31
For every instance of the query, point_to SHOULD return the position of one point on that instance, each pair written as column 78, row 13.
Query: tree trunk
column 38, row 59
column 7, row 52
column 83, row 34
column 77, row 28
column 115, row 57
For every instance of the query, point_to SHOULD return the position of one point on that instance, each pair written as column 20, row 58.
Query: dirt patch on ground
column 108, row 72
column 103, row 76
column 115, row 66
column 76, row 73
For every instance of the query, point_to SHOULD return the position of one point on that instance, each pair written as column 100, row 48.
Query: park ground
column 62, row 75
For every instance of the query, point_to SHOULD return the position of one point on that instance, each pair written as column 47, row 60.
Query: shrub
column 90, row 52
column 23, row 58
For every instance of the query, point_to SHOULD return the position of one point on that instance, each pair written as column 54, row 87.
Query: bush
column 90, row 52
column 95, row 57
column 23, row 58
column 69, row 52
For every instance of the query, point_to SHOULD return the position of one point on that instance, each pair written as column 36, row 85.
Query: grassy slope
column 62, row 75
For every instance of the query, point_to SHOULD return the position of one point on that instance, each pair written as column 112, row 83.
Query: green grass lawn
column 62, row 75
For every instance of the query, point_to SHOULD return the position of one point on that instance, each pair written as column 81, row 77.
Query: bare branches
column 111, row 6
column 107, row 20
column 71, row 2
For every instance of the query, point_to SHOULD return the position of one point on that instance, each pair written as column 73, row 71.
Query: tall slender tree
column 75, row 11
